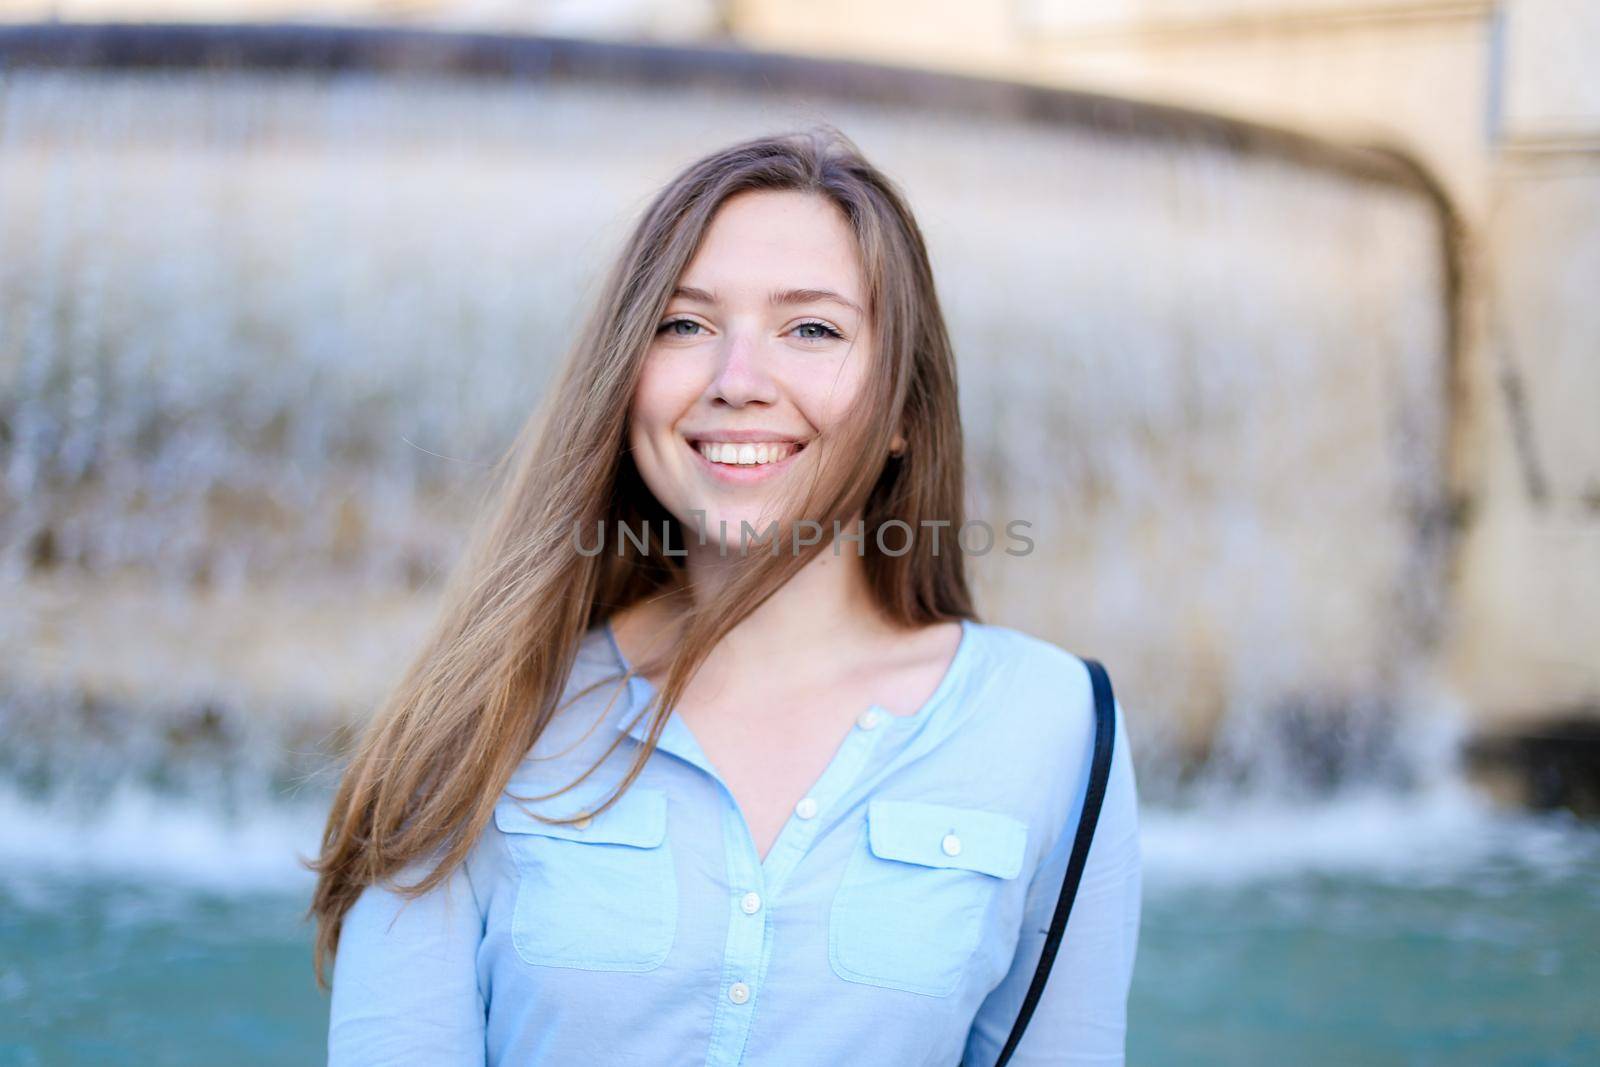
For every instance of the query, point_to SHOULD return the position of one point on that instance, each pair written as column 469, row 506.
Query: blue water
column 1324, row 971
column 1460, row 938
column 113, row 973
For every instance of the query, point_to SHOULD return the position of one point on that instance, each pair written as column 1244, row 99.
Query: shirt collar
column 676, row 739
column 675, row 736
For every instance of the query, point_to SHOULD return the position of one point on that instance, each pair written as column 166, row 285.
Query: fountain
column 274, row 296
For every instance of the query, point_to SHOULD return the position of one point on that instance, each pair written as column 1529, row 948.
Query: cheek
column 825, row 398
column 663, row 394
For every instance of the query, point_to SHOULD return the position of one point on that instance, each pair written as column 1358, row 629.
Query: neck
column 824, row 614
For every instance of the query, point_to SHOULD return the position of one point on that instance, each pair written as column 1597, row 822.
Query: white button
column 583, row 823
column 751, row 903
column 951, row 844
column 868, row 719
column 806, row 808
column 738, row 992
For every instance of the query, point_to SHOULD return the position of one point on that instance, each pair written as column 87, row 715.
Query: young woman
column 672, row 784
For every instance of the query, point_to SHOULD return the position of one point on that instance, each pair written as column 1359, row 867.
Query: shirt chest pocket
column 602, row 895
column 915, row 895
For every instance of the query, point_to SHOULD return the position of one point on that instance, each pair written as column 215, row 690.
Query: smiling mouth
column 746, row 454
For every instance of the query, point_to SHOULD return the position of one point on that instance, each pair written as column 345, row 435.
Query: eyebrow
column 777, row 297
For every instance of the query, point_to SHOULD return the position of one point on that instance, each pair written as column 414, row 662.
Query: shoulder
column 1032, row 668
column 1040, row 697
column 1019, row 646
column 1035, row 696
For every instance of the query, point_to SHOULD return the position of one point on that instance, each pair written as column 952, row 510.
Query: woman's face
column 762, row 348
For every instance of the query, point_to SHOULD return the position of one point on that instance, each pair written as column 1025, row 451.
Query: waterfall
column 263, row 331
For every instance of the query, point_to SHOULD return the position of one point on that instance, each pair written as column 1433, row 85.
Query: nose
column 742, row 375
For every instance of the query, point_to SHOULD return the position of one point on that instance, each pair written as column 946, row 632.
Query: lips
column 748, row 453
column 742, row 473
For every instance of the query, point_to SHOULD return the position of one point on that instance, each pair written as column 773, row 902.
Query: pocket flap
column 638, row 818
column 938, row 835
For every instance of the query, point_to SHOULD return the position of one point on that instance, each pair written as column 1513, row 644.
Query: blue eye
column 670, row 323
column 827, row 331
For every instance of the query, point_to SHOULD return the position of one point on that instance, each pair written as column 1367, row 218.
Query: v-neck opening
column 843, row 768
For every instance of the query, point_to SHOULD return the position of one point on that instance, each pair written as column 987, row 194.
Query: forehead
column 764, row 237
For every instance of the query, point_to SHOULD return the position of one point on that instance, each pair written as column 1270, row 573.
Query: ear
column 897, row 447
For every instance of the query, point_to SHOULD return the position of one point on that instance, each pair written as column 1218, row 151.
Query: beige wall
column 1501, row 102
column 1528, row 641
column 1406, row 72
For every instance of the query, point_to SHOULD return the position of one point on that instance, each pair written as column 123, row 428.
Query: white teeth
column 746, row 455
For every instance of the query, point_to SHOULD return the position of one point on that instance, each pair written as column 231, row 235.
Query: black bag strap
column 1099, row 772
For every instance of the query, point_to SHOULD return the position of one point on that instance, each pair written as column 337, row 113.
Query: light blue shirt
column 896, row 919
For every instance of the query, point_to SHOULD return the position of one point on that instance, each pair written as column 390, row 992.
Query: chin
column 730, row 535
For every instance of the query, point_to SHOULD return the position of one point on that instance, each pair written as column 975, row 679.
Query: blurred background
column 1277, row 318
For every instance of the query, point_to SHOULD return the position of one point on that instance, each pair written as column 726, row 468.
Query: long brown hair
column 426, row 774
